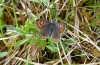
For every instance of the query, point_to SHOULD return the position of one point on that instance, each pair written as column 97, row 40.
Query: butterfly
column 51, row 29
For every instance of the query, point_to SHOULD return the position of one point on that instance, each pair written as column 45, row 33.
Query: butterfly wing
column 57, row 31
column 46, row 32
column 55, row 36
column 41, row 23
column 61, row 28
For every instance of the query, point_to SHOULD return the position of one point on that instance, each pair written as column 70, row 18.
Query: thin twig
column 47, row 8
column 69, row 63
column 9, row 59
column 63, row 6
column 14, row 36
column 59, row 53
column 86, row 37
column 29, row 62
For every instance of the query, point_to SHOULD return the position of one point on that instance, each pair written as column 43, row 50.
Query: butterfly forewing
column 45, row 32
column 40, row 23
column 61, row 28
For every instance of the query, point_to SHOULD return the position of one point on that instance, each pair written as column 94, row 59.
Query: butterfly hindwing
column 55, row 34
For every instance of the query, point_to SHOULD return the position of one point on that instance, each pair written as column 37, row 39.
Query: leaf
column 22, row 41
column 70, row 40
column 27, row 61
column 50, row 42
column 20, row 30
column 2, row 54
column 52, row 48
column 1, row 1
column 1, row 24
column 31, row 40
column 1, row 13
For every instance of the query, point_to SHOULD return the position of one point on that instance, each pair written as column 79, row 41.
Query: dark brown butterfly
column 51, row 29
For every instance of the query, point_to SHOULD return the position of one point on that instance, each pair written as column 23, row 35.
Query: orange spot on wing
column 55, row 39
column 40, row 24
column 61, row 28
column 39, row 27
column 43, row 37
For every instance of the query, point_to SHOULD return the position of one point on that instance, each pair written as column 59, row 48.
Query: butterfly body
column 50, row 29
